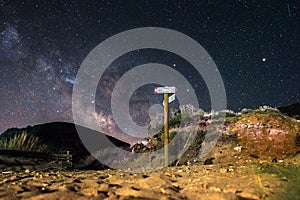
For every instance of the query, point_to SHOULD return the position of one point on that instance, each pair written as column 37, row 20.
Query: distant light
column 69, row 80
column 264, row 59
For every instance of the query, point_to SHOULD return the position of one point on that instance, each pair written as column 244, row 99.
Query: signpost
column 163, row 90
column 171, row 99
column 166, row 91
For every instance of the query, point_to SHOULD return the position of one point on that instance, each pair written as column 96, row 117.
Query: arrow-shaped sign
column 164, row 90
column 171, row 99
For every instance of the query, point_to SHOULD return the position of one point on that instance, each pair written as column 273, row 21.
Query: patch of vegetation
column 175, row 121
column 231, row 119
column 161, row 136
column 181, row 119
column 290, row 174
column 185, row 119
column 24, row 142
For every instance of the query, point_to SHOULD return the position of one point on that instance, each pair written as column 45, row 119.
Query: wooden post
column 166, row 128
column 166, row 91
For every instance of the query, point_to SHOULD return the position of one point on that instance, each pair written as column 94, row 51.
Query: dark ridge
column 61, row 137
column 291, row 110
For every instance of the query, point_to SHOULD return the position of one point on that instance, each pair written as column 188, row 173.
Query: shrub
column 175, row 122
column 23, row 142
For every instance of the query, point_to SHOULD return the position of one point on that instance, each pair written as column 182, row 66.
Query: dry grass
column 23, row 142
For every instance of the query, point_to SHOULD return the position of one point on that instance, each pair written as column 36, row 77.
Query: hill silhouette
column 62, row 136
column 291, row 110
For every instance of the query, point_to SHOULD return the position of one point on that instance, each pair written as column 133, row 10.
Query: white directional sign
column 164, row 90
column 171, row 99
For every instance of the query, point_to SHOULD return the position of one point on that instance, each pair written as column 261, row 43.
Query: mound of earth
column 267, row 133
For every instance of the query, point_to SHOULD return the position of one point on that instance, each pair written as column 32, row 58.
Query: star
column 42, row 49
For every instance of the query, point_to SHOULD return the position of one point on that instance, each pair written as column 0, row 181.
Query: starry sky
column 255, row 45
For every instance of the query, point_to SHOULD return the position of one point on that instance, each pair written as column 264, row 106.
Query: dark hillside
column 61, row 137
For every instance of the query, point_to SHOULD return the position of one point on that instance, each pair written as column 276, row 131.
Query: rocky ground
column 192, row 182
column 255, row 157
column 226, row 173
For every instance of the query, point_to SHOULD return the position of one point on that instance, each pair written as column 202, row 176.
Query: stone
column 249, row 196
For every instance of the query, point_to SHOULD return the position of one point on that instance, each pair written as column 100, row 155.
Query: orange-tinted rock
column 268, row 133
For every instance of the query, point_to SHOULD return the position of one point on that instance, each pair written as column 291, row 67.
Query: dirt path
column 184, row 182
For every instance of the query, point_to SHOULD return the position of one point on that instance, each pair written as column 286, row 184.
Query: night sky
column 255, row 45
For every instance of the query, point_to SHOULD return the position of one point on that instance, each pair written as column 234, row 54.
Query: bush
column 175, row 122
column 23, row 142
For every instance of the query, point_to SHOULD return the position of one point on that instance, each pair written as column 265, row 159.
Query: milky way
column 256, row 46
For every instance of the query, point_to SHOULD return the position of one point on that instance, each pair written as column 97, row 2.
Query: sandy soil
column 231, row 175
column 184, row 182
column 227, row 172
